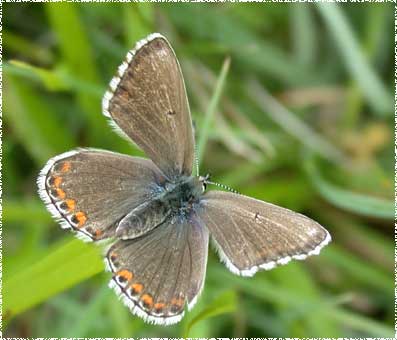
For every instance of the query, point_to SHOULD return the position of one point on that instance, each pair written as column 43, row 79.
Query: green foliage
column 46, row 276
column 224, row 303
column 209, row 116
column 303, row 119
column 377, row 93
column 351, row 201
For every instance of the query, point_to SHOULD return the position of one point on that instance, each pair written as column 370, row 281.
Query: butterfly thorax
column 180, row 195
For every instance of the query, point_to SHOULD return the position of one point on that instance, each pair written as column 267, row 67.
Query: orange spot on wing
column 66, row 166
column 80, row 218
column 125, row 274
column 56, row 181
column 147, row 300
column 159, row 306
column 71, row 204
column 177, row 301
column 60, row 193
column 98, row 232
column 136, row 288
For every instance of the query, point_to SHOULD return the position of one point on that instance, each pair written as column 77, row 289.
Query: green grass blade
column 362, row 324
column 303, row 33
column 79, row 59
column 212, row 107
column 225, row 303
column 66, row 266
column 50, row 79
column 250, row 49
column 318, row 323
column 359, row 270
column 33, row 121
column 66, row 23
column 358, row 203
column 25, row 211
column 138, row 22
column 19, row 44
column 292, row 124
column 53, row 80
column 356, row 63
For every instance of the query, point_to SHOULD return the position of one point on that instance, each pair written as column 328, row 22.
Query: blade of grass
column 202, row 80
column 292, row 124
column 50, row 79
column 376, row 25
column 318, row 323
column 358, row 203
column 362, row 324
column 360, row 269
column 246, row 171
column 33, row 121
column 379, row 19
column 356, row 63
column 250, row 49
column 79, row 59
column 201, row 85
column 225, row 303
column 66, row 23
column 54, row 80
column 138, row 22
column 60, row 269
column 303, row 33
column 19, row 44
column 353, row 234
column 225, row 133
column 25, row 211
column 209, row 115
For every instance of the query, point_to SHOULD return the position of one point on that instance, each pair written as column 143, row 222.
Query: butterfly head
column 204, row 180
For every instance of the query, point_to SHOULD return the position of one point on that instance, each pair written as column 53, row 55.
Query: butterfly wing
column 147, row 101
column 251, row 235
column 89, row 190
column 157, row 274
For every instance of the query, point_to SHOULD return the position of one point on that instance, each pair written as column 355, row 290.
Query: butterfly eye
column 168, row 186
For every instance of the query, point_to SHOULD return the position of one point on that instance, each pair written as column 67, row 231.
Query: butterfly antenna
column 195, row 148
column 223, row 186
column 196, row 160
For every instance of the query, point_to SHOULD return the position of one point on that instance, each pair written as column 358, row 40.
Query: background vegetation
column 293, row 104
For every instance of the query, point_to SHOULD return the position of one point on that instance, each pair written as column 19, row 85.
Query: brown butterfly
column 156, row 214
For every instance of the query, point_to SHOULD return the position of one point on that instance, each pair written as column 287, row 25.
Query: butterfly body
column 154, row 212
column 170, row 200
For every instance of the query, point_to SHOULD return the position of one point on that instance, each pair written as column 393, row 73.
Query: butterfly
column 156, row 215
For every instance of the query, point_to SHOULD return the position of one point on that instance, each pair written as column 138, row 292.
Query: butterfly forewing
column 251, row 234
column 147, row 100
column 89, row 191
column 159, row 273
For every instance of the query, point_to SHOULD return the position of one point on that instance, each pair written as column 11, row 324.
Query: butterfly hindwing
column 161, row 272
column 90, row 190
column 147, row 101
column 251, row 235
